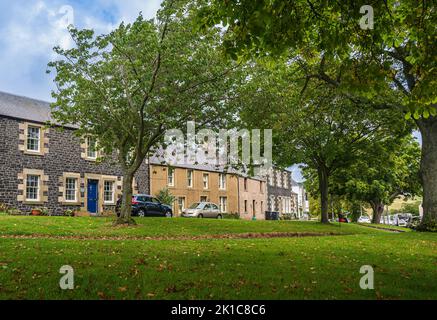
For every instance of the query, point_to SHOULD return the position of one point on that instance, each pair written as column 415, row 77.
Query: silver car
column 364, row 219
column 202, row 210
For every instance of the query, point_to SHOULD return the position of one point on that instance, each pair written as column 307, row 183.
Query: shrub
column 45, row 211
column 69, row 213
column 286, row 216
column 15, row 212
column 427, row 226
column 165, row 196
column 234, row 216
column 4, row 207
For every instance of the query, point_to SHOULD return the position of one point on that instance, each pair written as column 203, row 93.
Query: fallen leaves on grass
column 250, row 235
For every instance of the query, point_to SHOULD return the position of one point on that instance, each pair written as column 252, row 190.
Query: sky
column 29, row 29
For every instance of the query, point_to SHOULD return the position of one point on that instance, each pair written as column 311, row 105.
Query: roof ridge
column 24, row 97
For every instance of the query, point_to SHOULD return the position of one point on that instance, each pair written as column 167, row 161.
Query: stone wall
column 278, row 190
column 63, row 156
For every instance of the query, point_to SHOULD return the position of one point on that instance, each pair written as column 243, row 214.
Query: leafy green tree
column 165, row 196
column 126, row 88
column 412, row 208
column 391, row 66
column 321, row 128
column 336, row 203
column 380, row 180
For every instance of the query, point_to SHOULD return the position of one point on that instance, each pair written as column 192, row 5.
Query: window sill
column 33, row 202
column 33, row 153
column 70, row 203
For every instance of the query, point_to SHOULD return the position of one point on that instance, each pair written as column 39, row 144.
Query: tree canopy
column 128, row 87
column 320, row 128
column 391, row 65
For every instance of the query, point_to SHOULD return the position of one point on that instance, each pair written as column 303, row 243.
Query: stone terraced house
column 280, row 194
column 48, row 167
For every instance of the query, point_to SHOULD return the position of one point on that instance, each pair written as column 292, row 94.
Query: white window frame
column 222, row 181
column 38, row 140
column 285, row 179
column 278, row 178
column 67, row 189
column 105, row 192
column 205, row 180
column 91, row 154
column 190, row 178
column 171, row 176
column 38, row 188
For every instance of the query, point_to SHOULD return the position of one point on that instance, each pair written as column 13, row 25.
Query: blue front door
column 93, row 196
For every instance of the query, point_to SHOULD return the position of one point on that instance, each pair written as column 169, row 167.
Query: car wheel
column 219, row 216
column 200, row 216
column 141, row 213
column 168, row 214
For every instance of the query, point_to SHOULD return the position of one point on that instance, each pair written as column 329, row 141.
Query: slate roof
column 24, row 108
column 158, row 159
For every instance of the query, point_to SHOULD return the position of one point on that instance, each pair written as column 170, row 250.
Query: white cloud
column 29, row 33
column 129, row 10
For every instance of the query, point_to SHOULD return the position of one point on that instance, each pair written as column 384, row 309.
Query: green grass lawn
column 405, row 264
column 150, row 227
column 386, row 226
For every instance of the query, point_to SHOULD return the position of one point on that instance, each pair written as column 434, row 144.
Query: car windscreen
column 195, row 206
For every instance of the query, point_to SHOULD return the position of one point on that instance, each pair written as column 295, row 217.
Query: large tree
column 320, row 128
column 126, row 88
column 378, row 181
column 391, row 64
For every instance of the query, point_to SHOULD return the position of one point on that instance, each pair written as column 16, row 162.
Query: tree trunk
column 428, row 170
column 126, row 200
column 378, row 210
column 323, row 187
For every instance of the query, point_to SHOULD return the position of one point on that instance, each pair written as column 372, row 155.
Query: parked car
column 342, row 218
column 402, row 219
column 144, row 205
column 202, row 210
column 364, row 219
